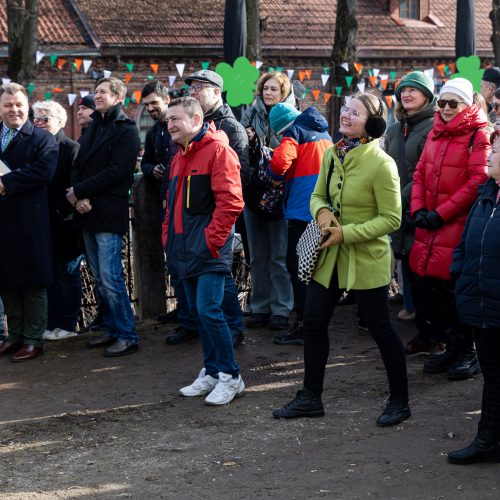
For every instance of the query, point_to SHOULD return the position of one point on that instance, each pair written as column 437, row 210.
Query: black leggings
column 373, row 306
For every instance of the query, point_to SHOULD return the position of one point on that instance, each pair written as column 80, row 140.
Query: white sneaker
column 48, row 335
column 202, row 385
column 226, row 390
column 58, row 334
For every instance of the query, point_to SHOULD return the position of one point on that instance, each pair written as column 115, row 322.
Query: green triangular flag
column 53, row 59
column 150, row 77
column 393, row 75
column 48, row 96
column 271, row 69
column 205, row 64
column 446, row 70
column 306, row 91
column 73, row 67
column 31, row 88
column 279, row 69
column 348, row 80
column 130, row 67
column 370, row 72
column 326, row 71
column 127, row 101
column 338, row 90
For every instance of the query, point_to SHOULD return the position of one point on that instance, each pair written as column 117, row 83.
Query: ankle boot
column 305, row 404
column 465, row 366
column 484, row 448
column 395, row 412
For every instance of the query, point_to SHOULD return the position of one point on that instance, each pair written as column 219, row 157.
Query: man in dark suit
column 25, row 254
column 102, row 177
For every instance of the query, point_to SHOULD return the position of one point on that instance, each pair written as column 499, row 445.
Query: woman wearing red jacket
column 452, row 166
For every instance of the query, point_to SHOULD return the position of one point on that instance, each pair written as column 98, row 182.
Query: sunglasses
column 42, row 119
column 452, row 103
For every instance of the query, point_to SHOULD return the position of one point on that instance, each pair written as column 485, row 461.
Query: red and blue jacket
column 204, row 199
column 297, row 160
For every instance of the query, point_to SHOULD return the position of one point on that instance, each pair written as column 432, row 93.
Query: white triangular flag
column 376, row 71
column 180, row 68
column 171, row 80
column 83, row 93
column 5, row 81
column 258, row 64
column 86, row 65
column 324, row 79
column 39, row 56
column 106, row 73
column 345, row 66
column 289, row 72
column 383, row 76
column 430, row 73
column 361, row 86
column 393, row 97
column 71, row 99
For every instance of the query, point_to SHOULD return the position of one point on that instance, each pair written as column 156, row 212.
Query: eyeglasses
column 42, row 119
column 351, row 112
column 197, row 87
column 452, row 103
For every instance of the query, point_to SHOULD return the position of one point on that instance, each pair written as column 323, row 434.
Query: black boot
column 484, row 448
column 305, row 404
column 395, row 412
column 464, row 367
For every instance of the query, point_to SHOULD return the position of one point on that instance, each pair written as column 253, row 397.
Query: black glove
column 434, row 220
column 420, row 219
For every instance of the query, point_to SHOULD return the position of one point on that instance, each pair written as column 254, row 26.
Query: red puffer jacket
column 446, row 180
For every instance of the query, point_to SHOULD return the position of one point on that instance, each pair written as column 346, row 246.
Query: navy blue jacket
column 476, row 263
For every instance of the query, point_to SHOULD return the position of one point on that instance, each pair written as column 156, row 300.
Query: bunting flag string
column 86, row 65
column 180, row 68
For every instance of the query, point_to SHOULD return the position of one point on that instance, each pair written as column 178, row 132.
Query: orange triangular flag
column 358, row 67
column 56, row 90
column 452, row 67
column 315, row 94
column 128, row 77
column 154, row 67
column 137, row 95
column 308, row 73
column 78, row 64
column 388, row 100
column 441, row 67
column 396, row 83
column 61, row 63
column 326, row 97
column 302, row 75
column 373, row 80
column 384, row 84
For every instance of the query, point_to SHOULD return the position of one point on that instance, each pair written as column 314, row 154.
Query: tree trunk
column 344, row 50
column 253, row 30
column 22, row 22
column 495, row 37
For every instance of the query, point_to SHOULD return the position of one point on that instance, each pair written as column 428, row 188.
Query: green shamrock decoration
column 470, row 68
column 239, row 81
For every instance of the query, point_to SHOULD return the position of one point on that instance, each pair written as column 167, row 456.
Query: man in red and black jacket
column 204, row 199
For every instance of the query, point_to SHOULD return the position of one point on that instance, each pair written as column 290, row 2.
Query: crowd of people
column 424, row 197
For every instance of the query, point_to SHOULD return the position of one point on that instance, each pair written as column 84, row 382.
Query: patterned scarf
column 345, row 145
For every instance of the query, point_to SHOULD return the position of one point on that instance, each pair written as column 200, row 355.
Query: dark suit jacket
column 25, row 248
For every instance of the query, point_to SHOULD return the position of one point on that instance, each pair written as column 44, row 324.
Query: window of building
column 409, row 9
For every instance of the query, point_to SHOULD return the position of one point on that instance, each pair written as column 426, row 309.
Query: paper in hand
column 4, row 169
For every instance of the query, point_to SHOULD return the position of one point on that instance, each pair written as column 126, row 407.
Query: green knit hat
column 417, row 80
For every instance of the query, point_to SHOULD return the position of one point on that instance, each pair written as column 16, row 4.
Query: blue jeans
column 186, row 317
column 205, row 294
column 105, row 261
column 271, row 285
column 65, row 295
column 231, row 306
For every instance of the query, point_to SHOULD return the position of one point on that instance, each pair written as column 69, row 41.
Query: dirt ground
column 74, row 424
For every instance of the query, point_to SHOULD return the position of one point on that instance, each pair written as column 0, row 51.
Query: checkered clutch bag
column 308, row 251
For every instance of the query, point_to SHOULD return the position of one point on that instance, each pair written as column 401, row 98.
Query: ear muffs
column 376, row 125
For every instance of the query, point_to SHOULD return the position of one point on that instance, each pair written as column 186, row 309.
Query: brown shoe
column 7, row 346
column 27, row 353
column 420, row 344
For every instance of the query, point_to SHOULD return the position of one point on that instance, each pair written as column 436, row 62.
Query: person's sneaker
column 406, row 315
column 58, row 334
column 47, row 334
column 422, row 344
column 305, row 404
column 395, row 412
column 226, row 390
column 294, row 337
column 257, row 320
column 279, row 323
column 464, row 367
column 201, row 386
column 440, row 363
column 238, row 338
column 181, row 336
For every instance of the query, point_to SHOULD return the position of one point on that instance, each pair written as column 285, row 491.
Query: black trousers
column 295, row 230
column 373, row 306
column 488, row 353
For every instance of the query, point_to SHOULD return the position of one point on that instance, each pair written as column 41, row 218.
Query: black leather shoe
column 294, row 337
column 181, row 336
column 480, row 450
column 101, row 341
column 121, row 348
column 238, row 338
column 464, row 367
column 395, row 412
column 257, row 320
column 305, row 404
column 440, row 363
column 279, row 323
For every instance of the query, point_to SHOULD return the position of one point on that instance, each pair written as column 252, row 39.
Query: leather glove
column 325, row 219
column 336, row 237
column 420, row 219
column 434, row 220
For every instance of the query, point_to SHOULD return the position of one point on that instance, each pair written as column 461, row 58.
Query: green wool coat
column 365, row 193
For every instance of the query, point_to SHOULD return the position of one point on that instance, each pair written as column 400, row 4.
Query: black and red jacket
column 204, row 199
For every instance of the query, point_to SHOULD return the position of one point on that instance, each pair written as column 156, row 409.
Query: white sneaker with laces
column 48, row 335
column 226, row 390
column 201, row 386
column 58, row 334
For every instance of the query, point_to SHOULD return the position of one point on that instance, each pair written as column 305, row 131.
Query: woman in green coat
column 363, row 207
